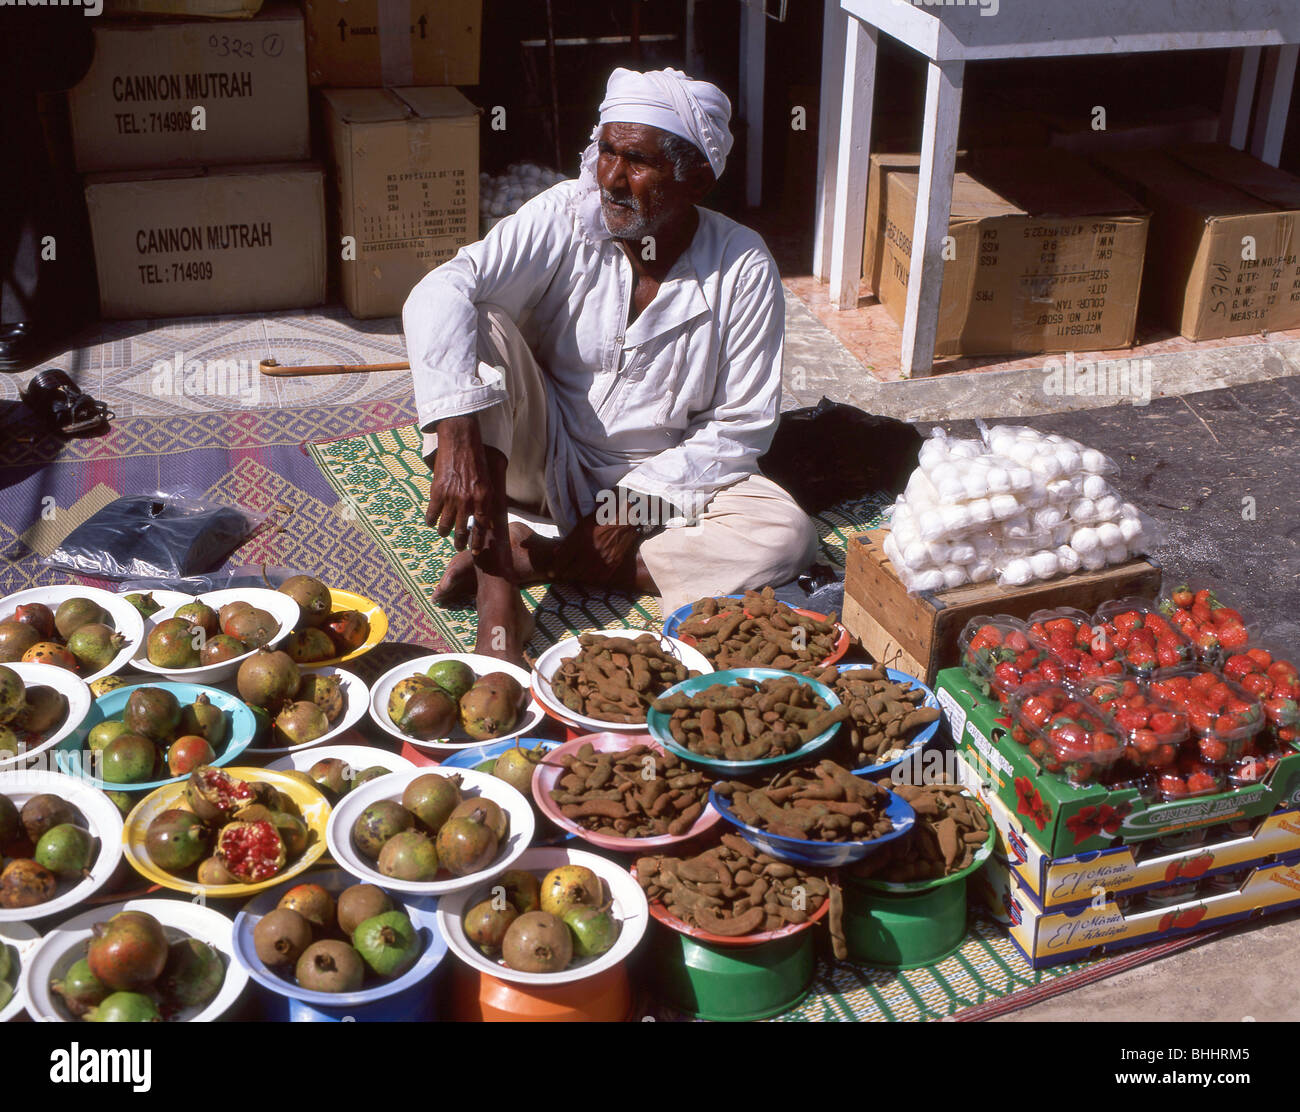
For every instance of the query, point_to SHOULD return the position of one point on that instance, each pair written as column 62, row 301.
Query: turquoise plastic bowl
column 71, row 754
column 657, row 722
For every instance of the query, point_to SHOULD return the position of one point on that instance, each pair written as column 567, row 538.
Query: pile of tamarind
column 614, row 678
column 950, row 828
column 638, row 792
column 748, row 720
column 733, row 890
column 883, row 714
column 825, row 804
column 758, row 631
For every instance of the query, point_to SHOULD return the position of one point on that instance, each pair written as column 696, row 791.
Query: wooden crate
column 917, row 634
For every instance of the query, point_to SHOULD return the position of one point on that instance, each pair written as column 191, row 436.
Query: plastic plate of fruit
column 551, row 660
column 355, row 702
column 358, row 758
column 17, row 942
column 123, row 618
column 91, row 810
column 64, row 946
column 312, row 807
column 627, row 905
column 282, row 981
column 455, row 738
column 343, row 848
column 279, row 606
column 73, row 755
column 54, row 718
column 374, row 628
column 547, row 776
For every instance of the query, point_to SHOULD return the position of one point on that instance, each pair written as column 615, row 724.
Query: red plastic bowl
column 842, row 642
column 660, row 913
column 546, row 776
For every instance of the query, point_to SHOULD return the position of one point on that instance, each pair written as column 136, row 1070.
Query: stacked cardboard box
column 195, row 137
column 1088, row 870
column 1044, row 253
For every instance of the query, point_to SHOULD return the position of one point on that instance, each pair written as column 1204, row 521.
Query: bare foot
column 504, row 621
column 459, row 583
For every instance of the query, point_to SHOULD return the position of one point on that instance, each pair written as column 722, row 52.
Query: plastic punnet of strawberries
column 1272, row 680
column 1154, row 730
column 1222, row 715
column 1190, row 777
column 1069, row 637
column 1144, row 639
column 997, row 652
column 1065, row 733
column 1214, row 629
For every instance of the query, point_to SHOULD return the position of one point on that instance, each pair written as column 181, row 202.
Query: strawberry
column 1182, row 596
column 1233, row 635
column 1201, row 782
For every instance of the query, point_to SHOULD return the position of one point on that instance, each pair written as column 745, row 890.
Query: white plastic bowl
column 71, row 687
column 356, row 702
column 279, row 606
column 338, row 834
column 102, row 819
column 23, row 939
column 360, row 757
column 628, row 905
column 457, row 739
column 66, row 944
column 125, row 617
column 549, row 663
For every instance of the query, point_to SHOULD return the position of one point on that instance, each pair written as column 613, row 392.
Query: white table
column 1260, row 32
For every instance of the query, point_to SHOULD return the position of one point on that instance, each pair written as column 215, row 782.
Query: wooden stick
column 274, row 369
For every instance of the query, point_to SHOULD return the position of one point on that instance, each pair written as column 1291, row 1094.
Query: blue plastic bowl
column 820, row 855
column 72, row 753
column 657, row 722
column 916, row 744
column 408, row 997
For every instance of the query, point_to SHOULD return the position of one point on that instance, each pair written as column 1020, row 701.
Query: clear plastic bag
column 166, row 536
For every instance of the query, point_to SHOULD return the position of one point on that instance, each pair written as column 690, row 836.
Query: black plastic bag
column 165, row 535
column 832, row 452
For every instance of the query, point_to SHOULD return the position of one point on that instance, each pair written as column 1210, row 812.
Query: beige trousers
column 751, row 534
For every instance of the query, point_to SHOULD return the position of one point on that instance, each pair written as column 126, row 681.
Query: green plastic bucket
column 731, row 983
column 896, row 930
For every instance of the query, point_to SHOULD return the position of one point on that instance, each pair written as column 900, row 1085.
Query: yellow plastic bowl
column 315, row 810
column 350, row 600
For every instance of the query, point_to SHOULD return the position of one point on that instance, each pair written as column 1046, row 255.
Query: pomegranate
column 128, row 952
column 251, row 851
column 214, row 795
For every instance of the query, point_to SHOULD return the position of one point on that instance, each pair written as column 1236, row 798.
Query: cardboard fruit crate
column 917, row 634
column 1063, row 820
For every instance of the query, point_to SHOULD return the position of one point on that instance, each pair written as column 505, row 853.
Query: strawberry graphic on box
column 1189, row 917
column 1166, row 922
column 1197, row 866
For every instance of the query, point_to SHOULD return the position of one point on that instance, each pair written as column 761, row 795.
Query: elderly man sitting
column 609, row 358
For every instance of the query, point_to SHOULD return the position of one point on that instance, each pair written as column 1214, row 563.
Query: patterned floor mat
column 383, row 482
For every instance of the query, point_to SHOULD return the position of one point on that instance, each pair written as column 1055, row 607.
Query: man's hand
column 462, row 487
column 594, row 553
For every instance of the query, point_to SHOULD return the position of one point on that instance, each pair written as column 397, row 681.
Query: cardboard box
column 1083, row 878
column 204, row 9
column 136, row 107
column 1050, row 937
column 1045, row 255
column 229, row 240
column 391, row 43
column 405, row 166
column 1063, row 820
column 917, row 634
column 1205, row 203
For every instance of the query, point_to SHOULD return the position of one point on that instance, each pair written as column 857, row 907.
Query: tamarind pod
column 658, row 827
column 684, row 821
column 815, row 885
column 744, row 811
column 790, row 915
column 733, row 927
column 894, row 729
column 667, row 760
column 667, row 704
column 621, row 827
column 778, row 870
column 728, row 626
column 662, row 805
column 773, row 922
column 734, row 722
column 706, row 607
column 675, row 729
column 754, row 724
column 599, row 808
column 709, row 719
column 747, row 651
column 767, row 653
column 839, row 945
column 712, row 889
column 922, row 716
column 924, row 805
column 781, row 796
column 738, row 845
column 946, row 832
column 754, row 751
column 801, row 715
column 783, row 831
column 724, row 788
column 711, row 739
column 601, row 774
column 694, row 901
column 682, row 800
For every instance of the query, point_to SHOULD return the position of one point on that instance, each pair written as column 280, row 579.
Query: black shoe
column 23, row 345
column 59, row 401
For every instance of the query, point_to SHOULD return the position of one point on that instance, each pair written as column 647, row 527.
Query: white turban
column 671, row 101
